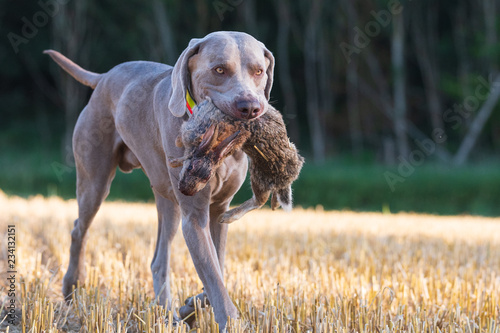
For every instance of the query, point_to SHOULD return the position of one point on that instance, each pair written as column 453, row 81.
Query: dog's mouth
column 224, row 107
column 240, row 112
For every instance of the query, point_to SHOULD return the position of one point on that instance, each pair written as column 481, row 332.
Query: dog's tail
column 81, row 75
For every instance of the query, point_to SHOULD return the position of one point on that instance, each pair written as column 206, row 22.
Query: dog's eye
column 258, row 72
column 190, row 168
column 219, row 70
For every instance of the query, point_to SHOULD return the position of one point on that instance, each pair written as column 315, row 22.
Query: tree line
column 382, row 79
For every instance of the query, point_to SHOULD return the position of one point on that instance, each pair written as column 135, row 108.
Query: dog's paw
column 179, row 323
column 186, row 312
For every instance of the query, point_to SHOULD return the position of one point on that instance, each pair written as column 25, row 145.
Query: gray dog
column 132, row 121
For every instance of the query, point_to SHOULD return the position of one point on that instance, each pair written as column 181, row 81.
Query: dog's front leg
column 218, row 232
column 196, row 230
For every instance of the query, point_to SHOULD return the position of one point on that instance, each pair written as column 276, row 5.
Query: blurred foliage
column 341, row 184
column 117, row 32
column 32, row 113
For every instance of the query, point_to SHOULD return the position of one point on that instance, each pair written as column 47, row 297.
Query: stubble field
column 307, row 271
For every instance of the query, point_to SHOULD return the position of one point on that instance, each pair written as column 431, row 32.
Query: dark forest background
column 393, row 103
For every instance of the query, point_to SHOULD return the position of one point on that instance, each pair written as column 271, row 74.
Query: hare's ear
column 269, row 72
column 181, row 79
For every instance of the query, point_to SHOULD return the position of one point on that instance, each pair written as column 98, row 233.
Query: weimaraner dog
column 132, row 121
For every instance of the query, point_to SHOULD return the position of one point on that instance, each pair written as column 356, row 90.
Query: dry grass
column 308, row 271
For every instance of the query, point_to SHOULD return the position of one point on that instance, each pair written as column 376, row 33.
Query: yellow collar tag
column 190, row 103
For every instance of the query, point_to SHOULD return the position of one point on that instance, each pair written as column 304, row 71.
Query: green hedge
column 343, row 185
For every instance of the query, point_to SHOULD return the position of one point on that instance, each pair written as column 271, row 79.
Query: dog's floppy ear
column 269, row 72
column 181, row 79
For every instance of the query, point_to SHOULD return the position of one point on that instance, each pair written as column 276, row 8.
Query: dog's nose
column 248, row 108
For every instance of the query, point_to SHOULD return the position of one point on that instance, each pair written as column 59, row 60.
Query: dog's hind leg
column 169, row 217
column 96, row 158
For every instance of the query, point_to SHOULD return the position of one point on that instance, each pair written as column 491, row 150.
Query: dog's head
column 233, row 69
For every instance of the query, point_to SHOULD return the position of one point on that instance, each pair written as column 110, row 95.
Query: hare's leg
column 258, row 200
